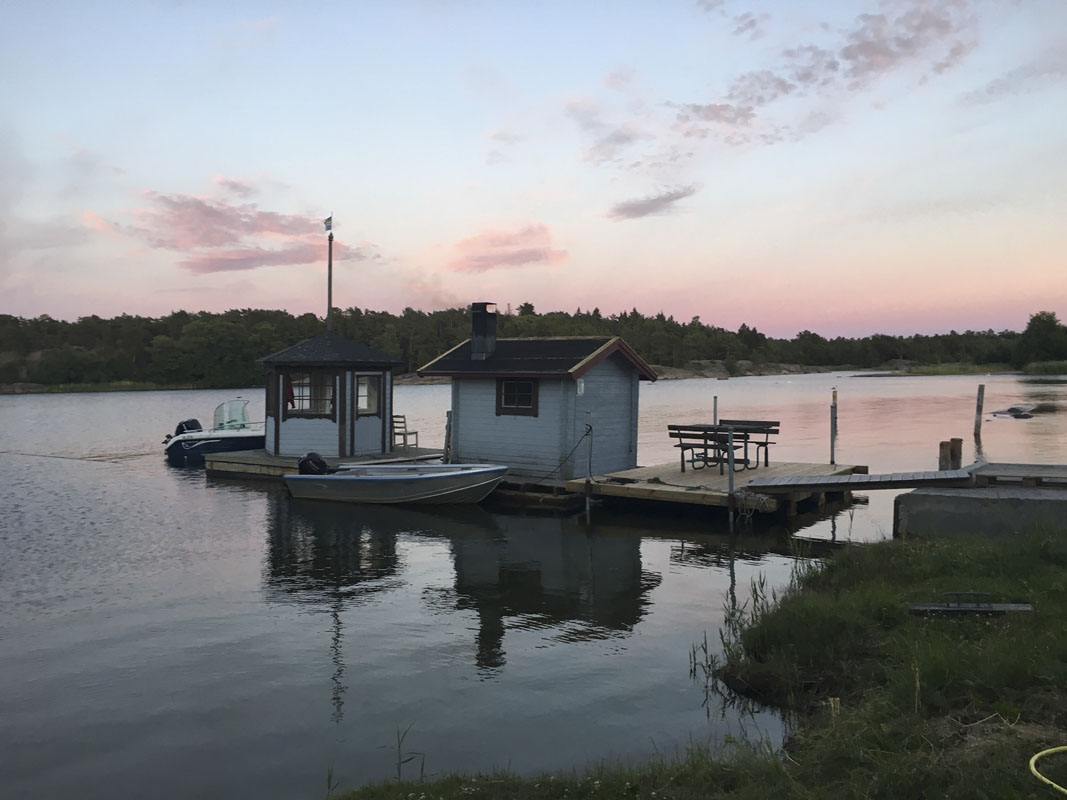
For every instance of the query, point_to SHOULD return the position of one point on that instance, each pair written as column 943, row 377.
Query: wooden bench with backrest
column 755, row 428
column 401, row 432
column 704, row 444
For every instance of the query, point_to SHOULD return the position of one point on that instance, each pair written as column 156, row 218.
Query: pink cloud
column 243, row 258
column 235, row 186
column 223, row 235
column 496, row 249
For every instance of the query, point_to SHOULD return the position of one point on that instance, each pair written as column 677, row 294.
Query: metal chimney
column 483, row 330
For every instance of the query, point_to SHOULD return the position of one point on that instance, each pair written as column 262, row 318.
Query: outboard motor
column 187, row 426
column 313, row 464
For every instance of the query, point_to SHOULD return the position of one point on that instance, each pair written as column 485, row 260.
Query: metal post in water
column 730, row 480
column 589, row 469
column 833, row 428
column 715, row 410
column 978, row 410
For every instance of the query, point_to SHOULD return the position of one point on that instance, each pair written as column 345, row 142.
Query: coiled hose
column 1033, row 767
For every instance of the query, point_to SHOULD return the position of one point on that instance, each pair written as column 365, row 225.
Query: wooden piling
column 447, row 458
column 715, row 410
column 978, row 411
column 955, row 453
column 944, row 457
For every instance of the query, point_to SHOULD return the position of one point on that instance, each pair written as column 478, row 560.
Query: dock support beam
column 979, row 455
column 715, row 410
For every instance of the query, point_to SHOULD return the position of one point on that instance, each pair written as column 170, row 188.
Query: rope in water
column 1033, row 767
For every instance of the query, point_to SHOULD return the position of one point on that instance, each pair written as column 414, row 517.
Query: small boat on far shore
column 398, row 483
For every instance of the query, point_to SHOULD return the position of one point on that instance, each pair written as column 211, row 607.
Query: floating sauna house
column 525, row 402
column 330, row 395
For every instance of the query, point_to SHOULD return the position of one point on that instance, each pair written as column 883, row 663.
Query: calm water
column 168, row 635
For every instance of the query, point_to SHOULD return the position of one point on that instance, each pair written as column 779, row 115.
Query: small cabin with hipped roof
column 525, row 402
column 330, row 395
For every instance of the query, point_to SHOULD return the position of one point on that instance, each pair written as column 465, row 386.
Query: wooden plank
column 858, row 482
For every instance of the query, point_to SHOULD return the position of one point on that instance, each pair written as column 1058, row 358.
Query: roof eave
column 616, row 345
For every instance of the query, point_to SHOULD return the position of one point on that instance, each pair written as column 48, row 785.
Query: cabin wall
column 299, row 436
column 528, row 445
column 611, row 394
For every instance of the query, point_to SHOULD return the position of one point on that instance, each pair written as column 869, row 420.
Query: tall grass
column 1046, row 368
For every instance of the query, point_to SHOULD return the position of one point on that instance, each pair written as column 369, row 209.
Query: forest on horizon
column 221, row 350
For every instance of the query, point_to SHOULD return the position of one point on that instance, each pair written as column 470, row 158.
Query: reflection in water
column 543, row 572
column 317, row 555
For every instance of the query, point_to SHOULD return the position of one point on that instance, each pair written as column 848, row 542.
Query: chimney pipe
column 483, row 330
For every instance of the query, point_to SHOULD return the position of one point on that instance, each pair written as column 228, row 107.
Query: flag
column 328, row 222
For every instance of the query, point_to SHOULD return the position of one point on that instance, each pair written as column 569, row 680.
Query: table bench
column 755, row 428
column 704, row 444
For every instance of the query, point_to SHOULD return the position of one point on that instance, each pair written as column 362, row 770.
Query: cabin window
column 515, row 396
column 368, row 395
column 310, row 394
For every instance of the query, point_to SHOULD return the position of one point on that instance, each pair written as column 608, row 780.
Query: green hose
column 1037, row 757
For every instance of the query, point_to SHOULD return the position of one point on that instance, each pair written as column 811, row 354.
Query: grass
column 889, row 705
column 1046, row 368
column 961, row 368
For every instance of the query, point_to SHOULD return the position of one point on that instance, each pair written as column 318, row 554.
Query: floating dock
column 666, row 483
column 260, row 464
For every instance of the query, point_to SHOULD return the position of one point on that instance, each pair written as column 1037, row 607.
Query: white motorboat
column 398, row 483
column 230, row 431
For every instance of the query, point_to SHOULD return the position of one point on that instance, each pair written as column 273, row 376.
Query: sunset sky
column 845, row 167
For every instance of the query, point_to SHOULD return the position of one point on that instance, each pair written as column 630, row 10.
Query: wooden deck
column 787, row 484
column 1043, row 475
column 260, row 464
column 706, row 487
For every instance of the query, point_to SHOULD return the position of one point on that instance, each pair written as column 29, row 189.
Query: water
column 169, row 634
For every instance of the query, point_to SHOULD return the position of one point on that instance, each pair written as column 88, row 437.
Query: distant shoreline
column 721, row 370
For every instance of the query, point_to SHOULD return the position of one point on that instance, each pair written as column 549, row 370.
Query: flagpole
column 329, row 276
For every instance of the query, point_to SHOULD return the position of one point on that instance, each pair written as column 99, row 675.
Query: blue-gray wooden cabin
column 330, row 395
column 525, row 402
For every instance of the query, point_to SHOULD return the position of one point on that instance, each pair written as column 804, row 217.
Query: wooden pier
column 260, row 464
column 706, row 487
column 787, row 484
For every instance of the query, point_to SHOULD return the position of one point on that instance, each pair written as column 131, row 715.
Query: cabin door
column 368, row 413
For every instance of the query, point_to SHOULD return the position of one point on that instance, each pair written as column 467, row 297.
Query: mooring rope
column 566, row 458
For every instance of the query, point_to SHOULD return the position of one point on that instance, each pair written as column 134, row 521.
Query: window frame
column 327, row 377
column 271, row 400
column 368, row 376
column 517, row 411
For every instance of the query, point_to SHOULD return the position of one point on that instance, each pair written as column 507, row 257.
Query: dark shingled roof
column 330, row 350
column 550, row 356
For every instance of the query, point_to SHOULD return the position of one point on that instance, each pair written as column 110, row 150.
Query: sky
column 849, row 167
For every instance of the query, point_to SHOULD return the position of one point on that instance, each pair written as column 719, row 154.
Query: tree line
column 221, row 350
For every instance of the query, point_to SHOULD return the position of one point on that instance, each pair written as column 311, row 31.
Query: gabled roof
column 330, row 350
column 530, row 358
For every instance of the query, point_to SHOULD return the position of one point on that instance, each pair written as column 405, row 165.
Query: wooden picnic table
column 710, row 444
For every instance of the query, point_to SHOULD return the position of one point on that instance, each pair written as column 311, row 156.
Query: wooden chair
column 401, row 433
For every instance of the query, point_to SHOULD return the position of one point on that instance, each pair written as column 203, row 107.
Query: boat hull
column 442, row 487
column 190, row 449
